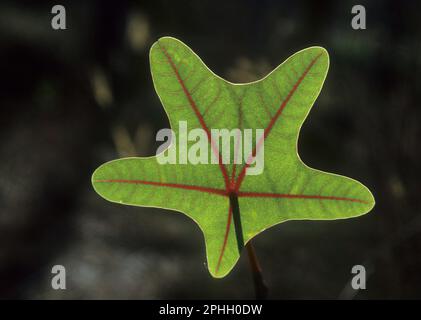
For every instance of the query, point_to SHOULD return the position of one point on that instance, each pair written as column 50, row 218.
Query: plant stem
column 260, row 288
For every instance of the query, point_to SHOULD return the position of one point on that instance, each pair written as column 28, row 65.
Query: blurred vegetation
column 73, row 99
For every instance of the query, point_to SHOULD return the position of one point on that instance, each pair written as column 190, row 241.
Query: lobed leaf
column 209, row 194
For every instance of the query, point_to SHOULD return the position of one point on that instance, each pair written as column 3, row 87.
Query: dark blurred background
column 73, row 99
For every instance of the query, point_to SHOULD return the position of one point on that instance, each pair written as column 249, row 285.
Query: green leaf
column 229, row 206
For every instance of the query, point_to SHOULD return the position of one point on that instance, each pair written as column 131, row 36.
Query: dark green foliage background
column 54, row 132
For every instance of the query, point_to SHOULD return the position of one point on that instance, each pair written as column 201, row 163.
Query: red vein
column 234, row 167
column 224, row 244
column 273, row 121
column 198, row 115
column 237, row 144
column 296, row 196
column 220, row 192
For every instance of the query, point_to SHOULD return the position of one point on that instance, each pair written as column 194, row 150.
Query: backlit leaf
column 230, row 206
